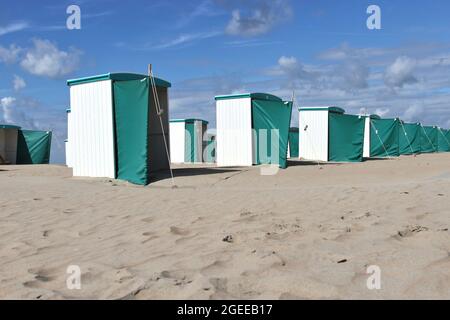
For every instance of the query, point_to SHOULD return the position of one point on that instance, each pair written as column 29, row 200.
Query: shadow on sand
column 188, row 172
column 294, row 163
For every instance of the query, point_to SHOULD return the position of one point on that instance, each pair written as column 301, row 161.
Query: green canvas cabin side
column 33, row 147
column 384, row 138
column 429, row 139
column 269, row 115
column 294, row 142
column 409, row 138
column 443, row 140
column 346, row 137
column 447, row 135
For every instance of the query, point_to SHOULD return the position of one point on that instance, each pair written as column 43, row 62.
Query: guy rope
column 159, row 112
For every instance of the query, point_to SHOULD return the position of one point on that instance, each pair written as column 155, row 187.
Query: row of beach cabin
column 19, row 146
column 119, row 127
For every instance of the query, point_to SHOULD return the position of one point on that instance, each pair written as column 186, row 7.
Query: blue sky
column 320, row 49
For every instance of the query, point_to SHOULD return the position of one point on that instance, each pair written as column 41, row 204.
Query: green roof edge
column 255, row 95
column 117, row 77
column 330, row 109
column 188, row 120
column 9, row 126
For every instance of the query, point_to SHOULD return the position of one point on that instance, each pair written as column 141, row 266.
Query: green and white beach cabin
column 409, row 138
column 186, row 140
column 114, row 128
column 381, row 137
column 19, row 146
column 252, row 128
column 328, row 134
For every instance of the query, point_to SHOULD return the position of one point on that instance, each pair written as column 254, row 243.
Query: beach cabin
column 409, row 138
column 114, row 127
column 33, row 147
column 293, row 143
column 443, row 140
column 252, row 128
column 186, row 140
column 8, row 143
column 429, row 139
column 328, row 134
column 381, row 137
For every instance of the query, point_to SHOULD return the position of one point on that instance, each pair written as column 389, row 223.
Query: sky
column 322, row 51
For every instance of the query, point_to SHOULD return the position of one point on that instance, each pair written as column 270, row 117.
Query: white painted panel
column 67, row 144
column 177, row 141
column 313, row 131
column 366, row 153
column 198, row 125
column 92, row 130
column 8, row 145
column 67, row 148
column 234, row 132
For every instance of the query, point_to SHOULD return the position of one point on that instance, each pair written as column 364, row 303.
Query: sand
column 308, row 232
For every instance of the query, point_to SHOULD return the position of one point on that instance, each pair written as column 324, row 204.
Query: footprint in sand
column 214, row 268
column 179, row 277
column 179, row 231
column 150, row 236
column 41, row 276
column 410, row 231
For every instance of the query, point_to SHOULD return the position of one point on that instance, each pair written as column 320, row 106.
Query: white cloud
column 260, row 20
column 382, row 112
column 17, row 112
column 185, row 39
column 7, row 103
column 291, row 68
column 45, row 59
column 13, row 27
column 401, row 72
column 9, row 55
column 18, row 83
column 413, row 113
column 206, row 8
column 354, row 75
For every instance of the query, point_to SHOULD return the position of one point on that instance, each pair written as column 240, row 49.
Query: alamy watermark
column 374, row 20
column 73, row 21
column 73, row 281
column 374, row 280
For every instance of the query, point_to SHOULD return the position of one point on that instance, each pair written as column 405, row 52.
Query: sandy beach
column 309, row 232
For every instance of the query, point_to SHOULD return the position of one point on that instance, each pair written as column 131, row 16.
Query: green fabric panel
column 190, row 147
column 293, row 143
column 33, row 147
column 346, row 138
column 270, row 115
column 443, row 141
column 448, row 136
column 411, row 142
column 131, row 104
column 210, row 151
column 429, row 139
column 384, row 138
